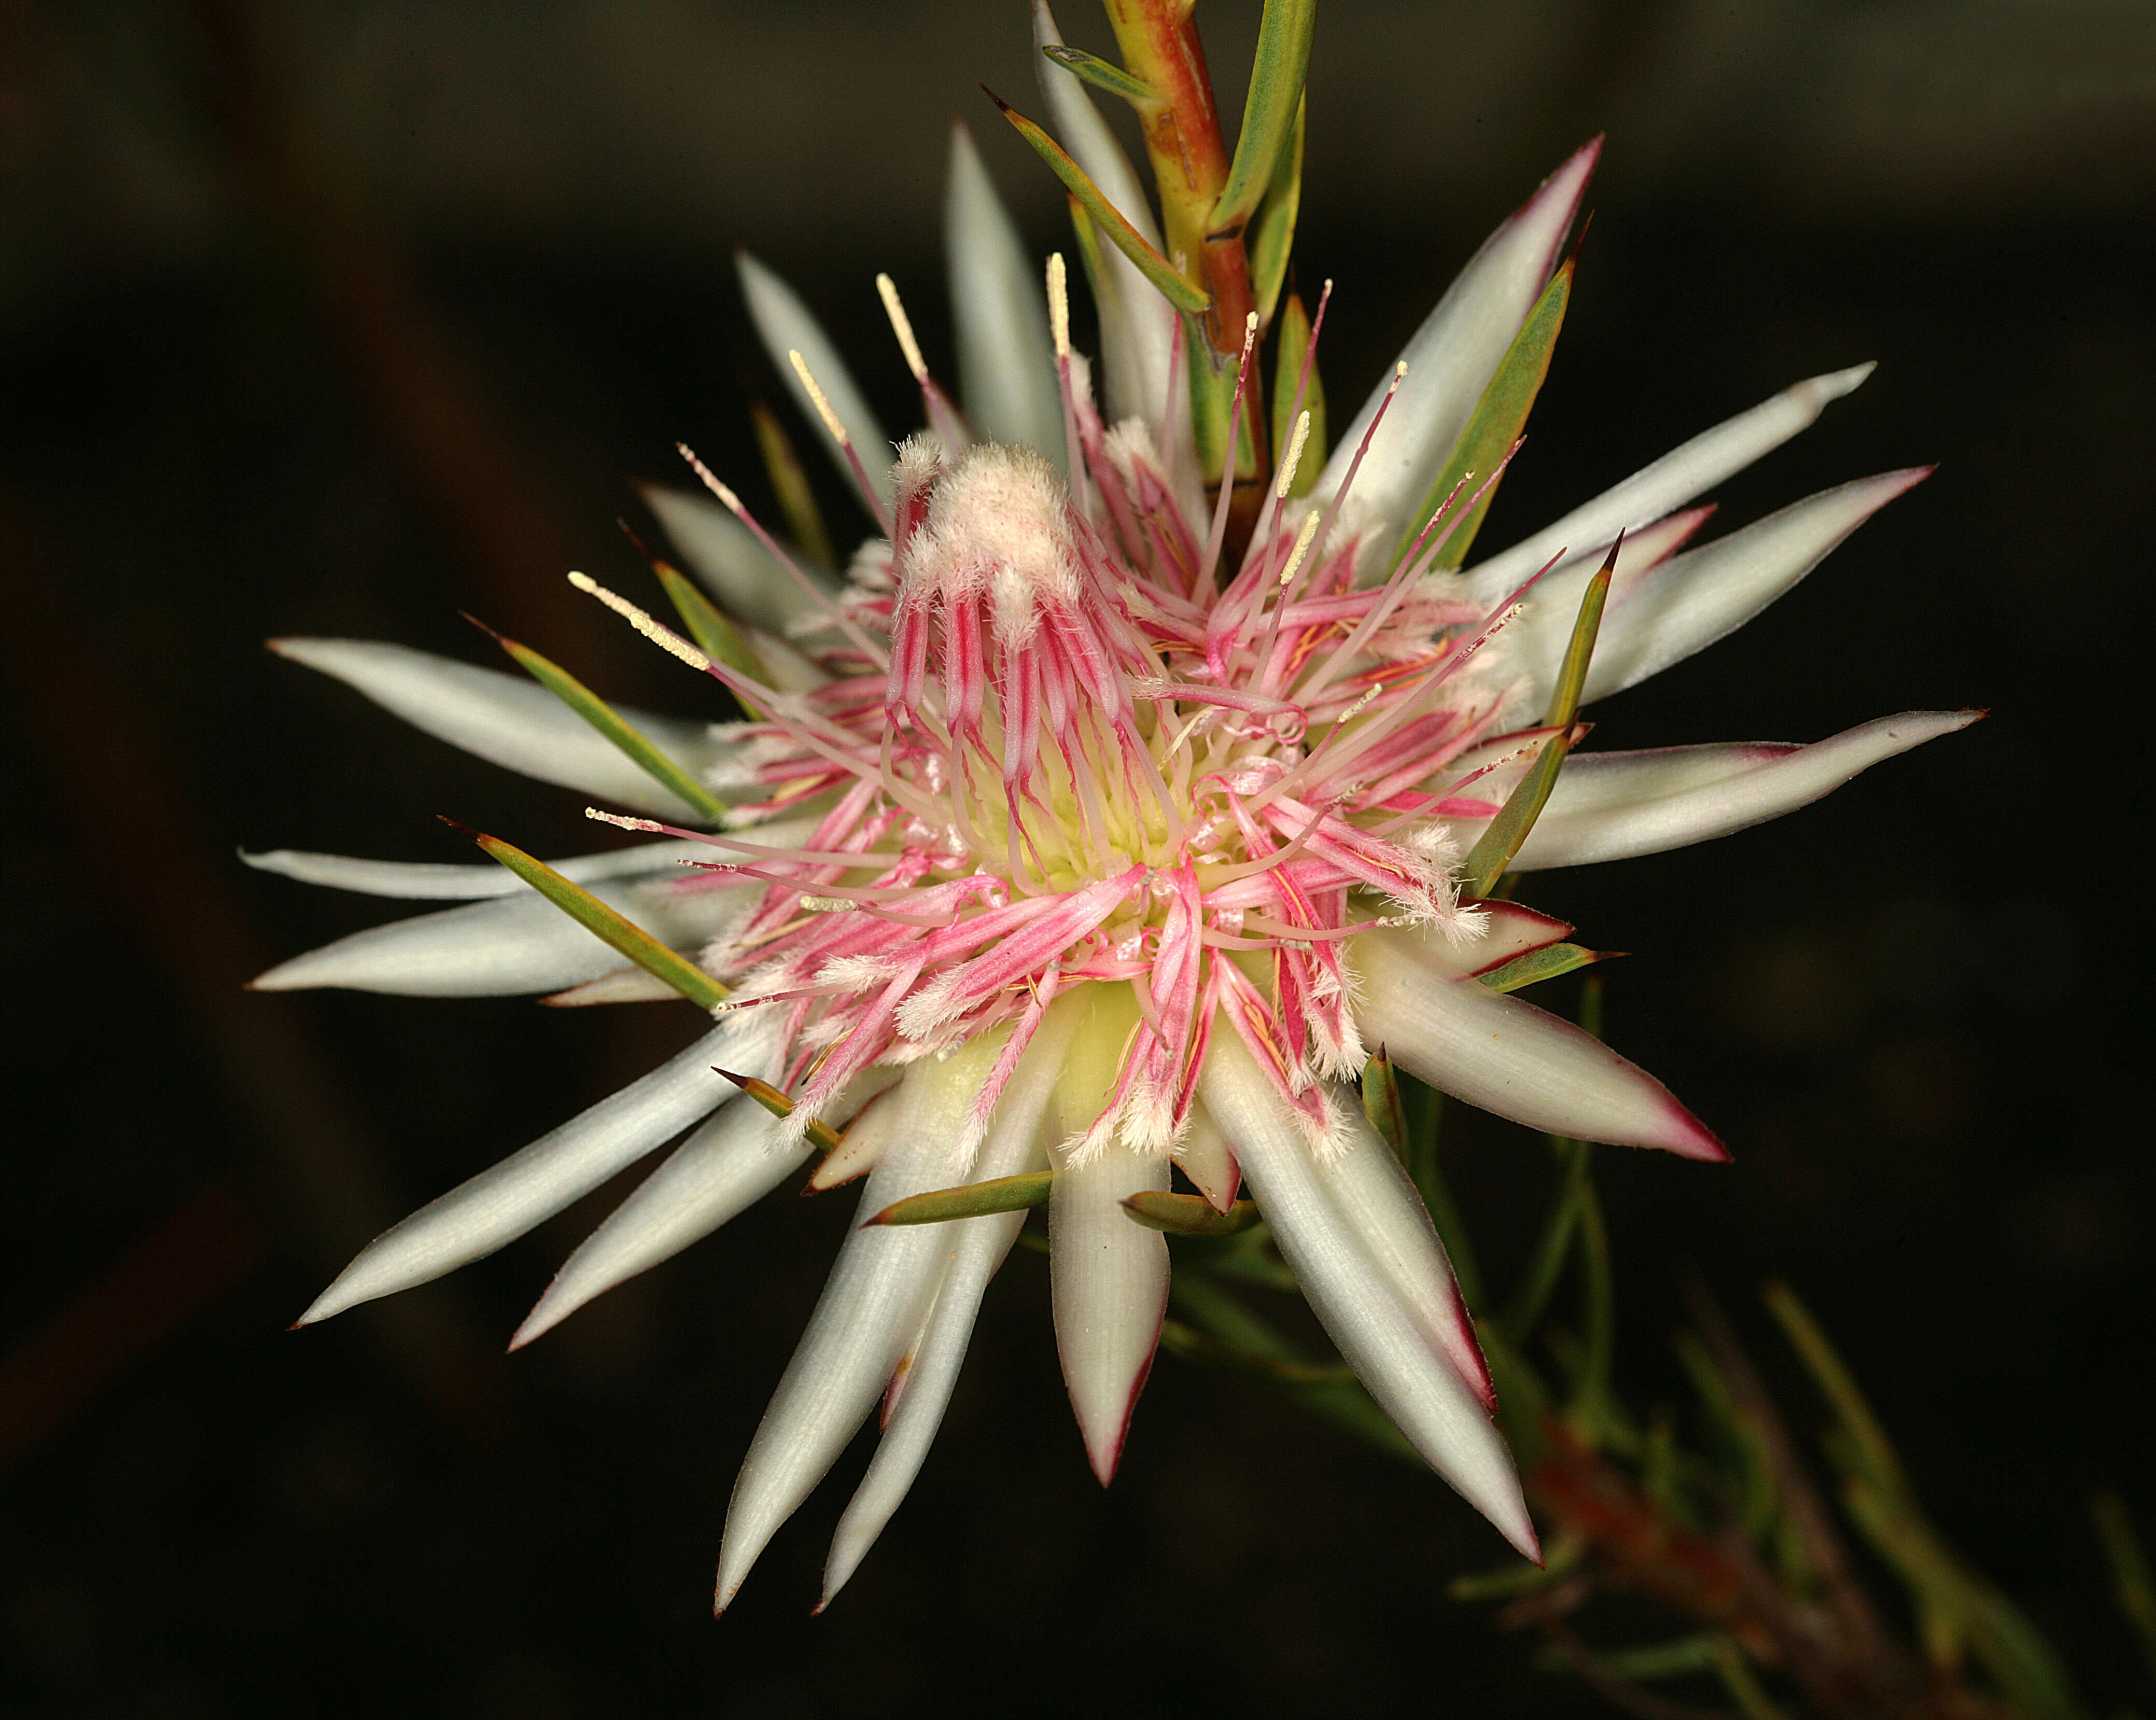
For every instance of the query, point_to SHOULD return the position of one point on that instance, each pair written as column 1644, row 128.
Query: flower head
column 1130, row 790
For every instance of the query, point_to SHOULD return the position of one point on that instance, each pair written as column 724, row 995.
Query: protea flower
column 1130, row 789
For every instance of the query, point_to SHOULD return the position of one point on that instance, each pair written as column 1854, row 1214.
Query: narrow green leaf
column 820, row 1132
column 1579, row 650
column 1270, row 112
column 1550, row 960
column 1272, row 238
column 1502, row 837
column 971, row 1200
column 1499, row 417
column 602, row 717
column 1212, row 406
column 789, row 482
column 1188, row 1215
column 1381, row 1104
column 1290, row 344
column 2129, row 1570
column 707, row 624
column 1103, row 75
column 602, row 922
column 1088, row 246
column 1191, row 300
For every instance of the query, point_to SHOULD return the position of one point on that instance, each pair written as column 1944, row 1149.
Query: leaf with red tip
column 970, row 1200
column 1188, row 1215
column 1499, row 418
column 618, row 730
column 1192, row 300
column 602, row 922
column 1548, row 962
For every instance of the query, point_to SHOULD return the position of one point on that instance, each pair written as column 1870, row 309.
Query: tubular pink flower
column 1053, row 848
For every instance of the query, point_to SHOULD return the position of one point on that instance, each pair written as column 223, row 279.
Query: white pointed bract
column 1075, row 831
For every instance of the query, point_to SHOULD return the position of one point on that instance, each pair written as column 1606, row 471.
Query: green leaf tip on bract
column 789, row 482
column 1101, row 74
column 602, row 717
column 1550, row 962
column 1383, row 1104
column 1188, row 1215
column 1270, row 111
column 1191, row 300
column 1271, row 237
column 1498, row 418
column 1494, row 849
column 969, row 1200
column 602, row 922
column 821, row 1133
column 715, row 633
column 1292, row 342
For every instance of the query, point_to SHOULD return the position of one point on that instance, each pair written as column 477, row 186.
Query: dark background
column 340, row 316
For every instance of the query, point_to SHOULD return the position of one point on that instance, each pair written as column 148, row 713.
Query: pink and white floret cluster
column 1060, row 839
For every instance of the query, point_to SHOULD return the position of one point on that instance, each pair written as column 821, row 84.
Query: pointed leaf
column 604, row 923
column 1108, row 1284
column 1644, row 803
column 1270, row 112
column 721, row 1170
column 1101, row 74
column 1500, row 417
column 880, row 1290
column 825, row 1136
column 790, row 483
column 430, row 880
column 1547, row 963
column 1272, row 239
column 1138, row 329
column 1191, row 300
column 1358, row 1302
column 971, row 1200
column 1381, row 1104
column 603, row 717
column 1293, row 342
column 1452, row 356
column 1188, row 1215
column 707, row 624
column 1494, row 848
